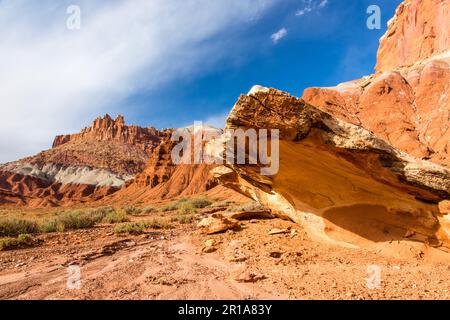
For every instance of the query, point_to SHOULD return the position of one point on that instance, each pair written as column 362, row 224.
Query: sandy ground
column 245, row 264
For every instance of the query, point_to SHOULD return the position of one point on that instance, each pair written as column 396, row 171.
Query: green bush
column 187, row 208
column 132, row 228
column 11, row 227
column 185, row 219
column 149, row 210
column 200, row 203
column 23, row 240
column 116, row 217
column 169, row 207
column 158, row 224
column 74, row 220
column 100, row 213
column 132, row 210
column 51, row 225
column 8, row 244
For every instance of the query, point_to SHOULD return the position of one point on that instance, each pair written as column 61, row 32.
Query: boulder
column 334, row 174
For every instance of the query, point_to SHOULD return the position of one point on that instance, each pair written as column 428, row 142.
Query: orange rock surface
column 407, row 101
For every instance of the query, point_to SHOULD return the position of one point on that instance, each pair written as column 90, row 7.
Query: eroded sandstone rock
column 419, row 29
column 407, row 101
column 336, row 175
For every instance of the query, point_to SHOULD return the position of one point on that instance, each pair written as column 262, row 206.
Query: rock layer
column 25, row 190
column 407, row 102
column 419, row 30
column 162, row 179
column 338, row 175
column 81, row 167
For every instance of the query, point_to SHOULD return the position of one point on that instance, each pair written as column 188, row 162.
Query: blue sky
column 167, row 63
column 323, row 47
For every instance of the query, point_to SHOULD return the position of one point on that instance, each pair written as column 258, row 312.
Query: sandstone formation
column 419, row 30
column 163, row 179
column 407, row 101
column 26, row 190
column 334, row 175
column 107, row 129
column 81, row 167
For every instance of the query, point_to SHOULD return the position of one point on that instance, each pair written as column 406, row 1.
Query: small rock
column 249, row 215
column 249, row 276
column 276, row 254
column 21, row 264
column 209, row 249
column 210, row 243
column 130, row 243
column 409, row 233
column 217, row 224
column 294, row 233
column 278, row 231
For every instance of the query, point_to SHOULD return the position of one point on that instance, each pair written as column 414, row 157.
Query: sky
column 167, row 63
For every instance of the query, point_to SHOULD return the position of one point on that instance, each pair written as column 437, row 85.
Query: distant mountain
column 80, row 167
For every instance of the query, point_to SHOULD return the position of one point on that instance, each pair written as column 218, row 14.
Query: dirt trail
column 169, row 268
column 247, row 264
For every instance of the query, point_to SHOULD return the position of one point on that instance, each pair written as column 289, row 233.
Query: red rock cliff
column 419, row 29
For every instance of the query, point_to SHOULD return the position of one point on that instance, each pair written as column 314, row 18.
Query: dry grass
column 13, row 227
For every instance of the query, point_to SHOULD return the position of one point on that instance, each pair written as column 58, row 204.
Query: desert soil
column 245, row 264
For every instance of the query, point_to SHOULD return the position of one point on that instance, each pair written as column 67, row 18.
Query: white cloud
column 310, row 6
column 280, row 34
column 323, row 3
column 55, row 80
column 301, row 12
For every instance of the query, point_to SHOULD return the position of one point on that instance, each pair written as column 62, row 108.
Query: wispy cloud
column 323, row 3
column 55, row 80
column 280, row 34
column 310, row 6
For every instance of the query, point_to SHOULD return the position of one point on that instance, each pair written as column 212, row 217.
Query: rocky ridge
column 81, row 167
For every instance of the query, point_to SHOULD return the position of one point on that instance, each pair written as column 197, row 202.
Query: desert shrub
column 132, row 228
column 200, row 203
column 11, row 227
column 170, row 207
column 158, row 224
column 116, row 217
column 24, row 238
column 21, row 241
column 184, row 219
column 148, row 210
column 100, row 213
column 177, row 204
column 132, row 210
column 141, row 226
column 50, row 225
column 8, row 244
column 227, row 203
column 73, row 220
column 187, row 208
